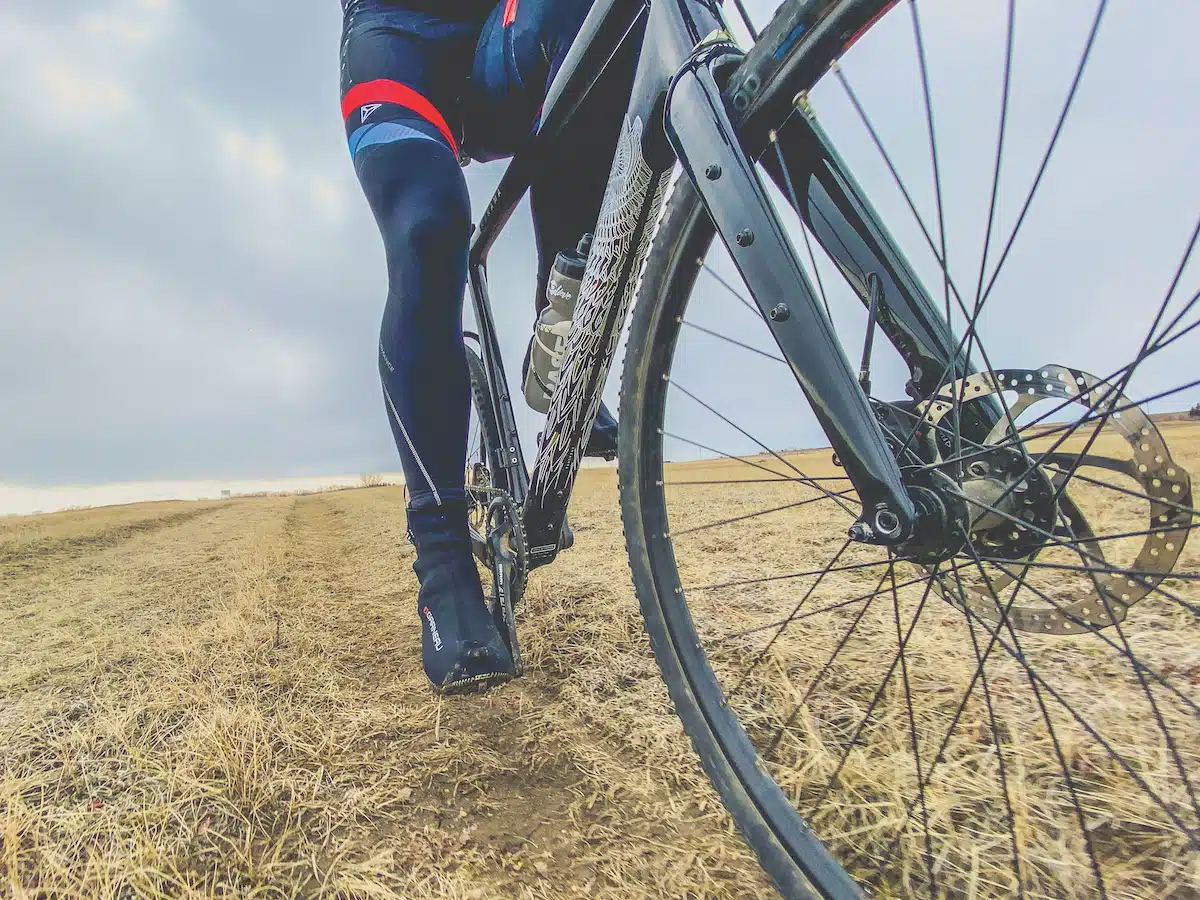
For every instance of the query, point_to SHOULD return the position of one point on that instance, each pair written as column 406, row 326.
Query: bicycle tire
column 795, row 859
column 483, row 460
column 784, row 844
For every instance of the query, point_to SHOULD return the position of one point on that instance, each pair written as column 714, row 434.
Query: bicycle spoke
column 1065, row 567
column 1158, row 716
column 912, row 207
column 912, row 721
column 937, row 181
column 1120, row 389
column 1009, row 817
column 787, row 178
column 1066, row 614
column 754, row 515
column 803, row 477
column 921, row 579
column 735, row 342
column 1038, row 683
column 1062, row 118
column 1165, row 341
column 771, row 643
column 1144, row 580
column 1129, row 492
column 875, row 699
column 1033, row 679
column 1066, row 433
column 753, row 480
column 976, row 676
column 1069, row 429
column 783, row 476
column 870, row 598
column 746, row 303
column 1111, row 393
column 972, row 317
column 991, row 219
column 972, row 331
column 768, row 578
column 749, row 23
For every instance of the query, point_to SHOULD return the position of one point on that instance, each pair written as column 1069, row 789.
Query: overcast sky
column 191, row 282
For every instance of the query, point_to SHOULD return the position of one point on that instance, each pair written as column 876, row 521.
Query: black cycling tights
column 404, row 81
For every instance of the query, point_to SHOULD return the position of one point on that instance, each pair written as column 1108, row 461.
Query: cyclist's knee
column 419, row 196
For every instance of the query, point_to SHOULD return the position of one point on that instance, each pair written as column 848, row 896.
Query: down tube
column 632, row 202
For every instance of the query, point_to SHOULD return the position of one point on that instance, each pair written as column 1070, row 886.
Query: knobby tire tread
column 694, row 691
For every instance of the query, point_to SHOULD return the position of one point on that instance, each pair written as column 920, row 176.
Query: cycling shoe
column 461, row 647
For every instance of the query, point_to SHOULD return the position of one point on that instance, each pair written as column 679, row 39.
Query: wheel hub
column 1008, row 504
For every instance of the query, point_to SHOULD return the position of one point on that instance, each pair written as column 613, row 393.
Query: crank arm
column 707, row 145
column 505, row 568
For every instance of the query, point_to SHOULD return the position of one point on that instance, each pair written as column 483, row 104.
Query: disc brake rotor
column 1166, row 485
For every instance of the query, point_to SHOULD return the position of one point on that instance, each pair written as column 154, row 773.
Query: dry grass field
column 225, row 700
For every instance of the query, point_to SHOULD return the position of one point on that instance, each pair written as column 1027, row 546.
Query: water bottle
column 554, row 323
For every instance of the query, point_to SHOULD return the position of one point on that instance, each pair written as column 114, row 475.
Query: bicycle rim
column 1015, row 715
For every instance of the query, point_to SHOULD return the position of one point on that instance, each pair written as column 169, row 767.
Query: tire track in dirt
column 515, row 776
column 104, row 596
column 59, row 550
column 487, row 781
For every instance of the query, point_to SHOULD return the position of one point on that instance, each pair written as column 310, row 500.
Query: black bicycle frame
column 681, row 110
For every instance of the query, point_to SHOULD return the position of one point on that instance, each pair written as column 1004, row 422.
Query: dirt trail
column 227, row 699
column 219, row 700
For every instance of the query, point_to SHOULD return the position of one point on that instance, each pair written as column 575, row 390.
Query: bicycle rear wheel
column 1018, row 715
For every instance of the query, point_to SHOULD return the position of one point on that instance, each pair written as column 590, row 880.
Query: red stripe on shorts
column 383, row 90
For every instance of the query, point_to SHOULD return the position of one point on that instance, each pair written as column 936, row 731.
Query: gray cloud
column 191, row 282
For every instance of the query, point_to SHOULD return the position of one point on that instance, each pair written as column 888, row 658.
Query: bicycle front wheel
column 1016, row 713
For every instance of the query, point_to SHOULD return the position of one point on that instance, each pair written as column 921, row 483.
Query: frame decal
column 593, row 339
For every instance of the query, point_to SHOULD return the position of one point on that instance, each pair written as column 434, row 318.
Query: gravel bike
column 954, row 654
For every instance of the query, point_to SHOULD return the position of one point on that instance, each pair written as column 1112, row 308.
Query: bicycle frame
column 680, row 111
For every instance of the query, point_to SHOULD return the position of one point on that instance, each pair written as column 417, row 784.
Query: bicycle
column 958, row 482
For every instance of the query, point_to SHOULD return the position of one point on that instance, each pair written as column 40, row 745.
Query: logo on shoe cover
column 437, row 638
column 368, row 109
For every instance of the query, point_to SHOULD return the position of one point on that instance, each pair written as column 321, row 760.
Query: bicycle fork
column 707, row 145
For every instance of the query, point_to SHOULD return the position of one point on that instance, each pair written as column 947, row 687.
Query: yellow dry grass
column 225, row 700
column 821, row 677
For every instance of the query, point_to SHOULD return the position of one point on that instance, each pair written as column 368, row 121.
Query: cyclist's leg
column 394, row 77
column 521, row 48
column 395, row 69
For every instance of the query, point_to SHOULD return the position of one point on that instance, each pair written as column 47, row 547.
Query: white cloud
column 70, row 94
column 258, row 157
column 109, row 25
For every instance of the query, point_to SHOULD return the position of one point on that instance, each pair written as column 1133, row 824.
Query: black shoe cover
column 461, row 647
column 603, row 439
